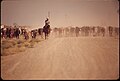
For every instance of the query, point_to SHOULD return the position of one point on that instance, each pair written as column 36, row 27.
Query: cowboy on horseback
column 46, row 28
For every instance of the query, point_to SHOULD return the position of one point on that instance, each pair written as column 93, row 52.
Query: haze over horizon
column 62, row 12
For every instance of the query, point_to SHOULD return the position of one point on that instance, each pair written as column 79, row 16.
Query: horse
column 46, row 30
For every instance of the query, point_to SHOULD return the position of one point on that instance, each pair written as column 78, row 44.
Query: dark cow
column 8, row 29
column 34, row 33
column 2, row 32
column 17, row 32
column 40, row 32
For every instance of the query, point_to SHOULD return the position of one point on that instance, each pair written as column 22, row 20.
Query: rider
column 47, row 22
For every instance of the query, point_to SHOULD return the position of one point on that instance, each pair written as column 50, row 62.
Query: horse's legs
column 45, row 35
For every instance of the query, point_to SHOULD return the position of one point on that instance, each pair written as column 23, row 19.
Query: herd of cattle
column 87, row 31
column 15, row 32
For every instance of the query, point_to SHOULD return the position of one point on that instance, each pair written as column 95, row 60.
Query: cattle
column 90, row 31
column 22, row 31
column 103, row 31
column 95, row 31
column 17, row 32
column 82, row 31
column 11, row 32
column 110, row 31
column 77, row 31
column 87, row 30
column 72, row 31
column 40, row 32
column 8, row 32
column 60, row 32
column 116, row 31
column 66, row 31
column 55, row 31
column 26, row 35
column 4, row 32
column 34, row 33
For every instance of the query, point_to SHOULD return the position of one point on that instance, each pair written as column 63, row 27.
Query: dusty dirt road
column 65, row 58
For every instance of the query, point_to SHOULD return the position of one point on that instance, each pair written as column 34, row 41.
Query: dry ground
column 65, row 58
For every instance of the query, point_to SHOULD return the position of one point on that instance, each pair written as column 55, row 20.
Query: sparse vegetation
column 13, row 46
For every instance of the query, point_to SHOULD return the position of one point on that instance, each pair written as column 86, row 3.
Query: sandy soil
column 65, row 58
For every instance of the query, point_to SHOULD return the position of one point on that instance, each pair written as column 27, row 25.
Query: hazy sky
column 62, row 12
